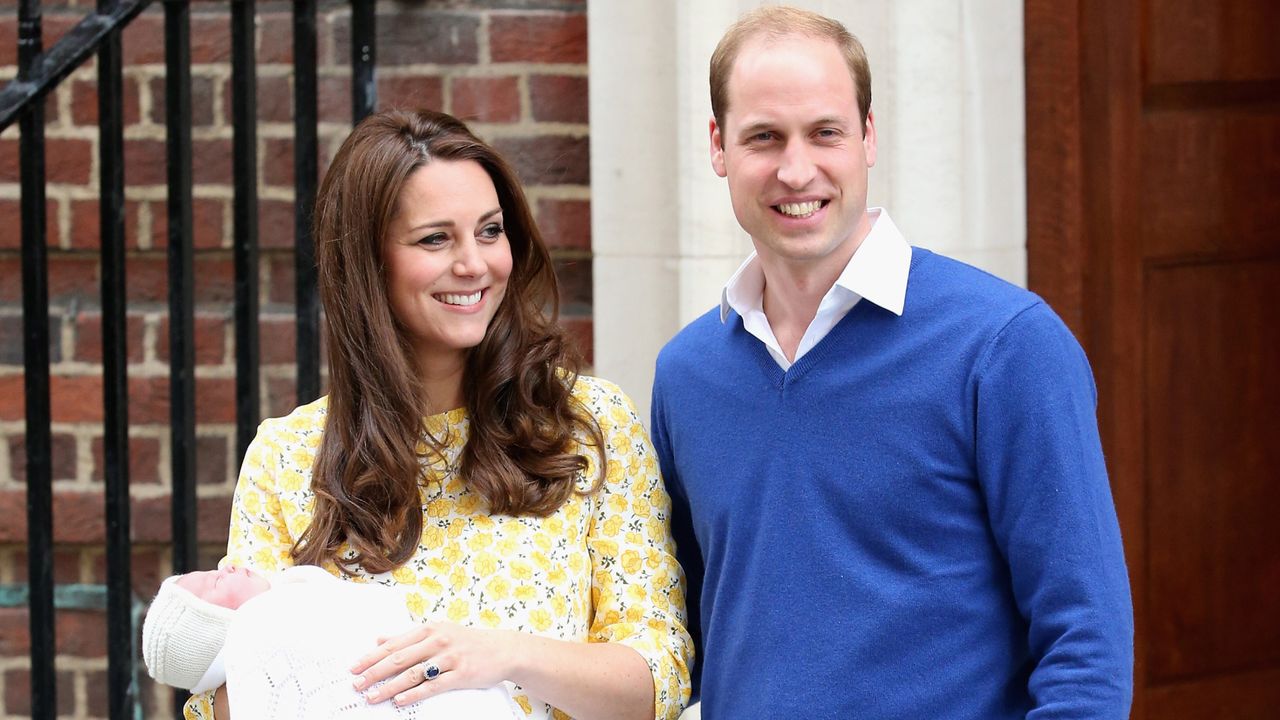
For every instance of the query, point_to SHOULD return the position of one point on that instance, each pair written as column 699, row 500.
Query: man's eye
column 761, row 137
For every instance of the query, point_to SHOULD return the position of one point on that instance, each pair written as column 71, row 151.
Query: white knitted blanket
column 289, row 652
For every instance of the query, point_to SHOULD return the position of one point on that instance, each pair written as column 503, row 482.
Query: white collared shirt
column 877, row 271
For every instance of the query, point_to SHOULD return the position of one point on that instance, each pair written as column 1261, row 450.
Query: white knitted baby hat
column 182, row 635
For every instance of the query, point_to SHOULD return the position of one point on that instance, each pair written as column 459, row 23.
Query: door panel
column 1153, row 204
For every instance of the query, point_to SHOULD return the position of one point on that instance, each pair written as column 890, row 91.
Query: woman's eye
column 492, row 231
column 433, row 239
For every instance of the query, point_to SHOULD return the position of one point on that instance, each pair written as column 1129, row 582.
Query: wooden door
column 1153, row 151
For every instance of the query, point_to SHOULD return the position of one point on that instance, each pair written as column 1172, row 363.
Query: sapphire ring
column 430, row 670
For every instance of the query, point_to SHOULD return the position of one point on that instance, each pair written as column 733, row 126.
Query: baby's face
column 229, row 587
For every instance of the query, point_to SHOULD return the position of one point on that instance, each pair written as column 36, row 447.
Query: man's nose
column 796, row 169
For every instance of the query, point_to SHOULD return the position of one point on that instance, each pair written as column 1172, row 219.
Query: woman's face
column 228, row 587
column 448, row 259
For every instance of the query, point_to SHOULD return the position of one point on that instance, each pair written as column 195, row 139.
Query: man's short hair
column 780, row 21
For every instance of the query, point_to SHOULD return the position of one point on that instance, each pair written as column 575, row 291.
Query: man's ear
column 717, row 148
column 869, row 139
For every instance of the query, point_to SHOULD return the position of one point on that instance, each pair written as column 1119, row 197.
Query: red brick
column 67, row 160
column 275, row 100
column 558, row 98
column 86, row 224
column 282, row 396
column 565, row 224
column 413, row 38
column 9, row 39
column 411, row 92
column 549, row 159
column 88, row 344
column 276, row 33
column 78, row 398
column 211, row 38
column 78, row 518
column 207, row 232
column 12, row 340
column 278, row 335
column 81, row 633
column 84, row 102
column 145, row 162
column 147, row 278
column 483, row 99
column 280, row 289
column 97, row 688
column 62, row 453
column 11, row 220
column 333, row 99
column 275, row 224
column 211, row 162
column 210, row 339
column 15, row 628
column 144, row 461
column 17, row 699
column 575, row 286
column 143, row 40
column 277, row 162
column 66, row 564
column 581, row 331
column 203, row 89
column 211, row 461
column 540, row 38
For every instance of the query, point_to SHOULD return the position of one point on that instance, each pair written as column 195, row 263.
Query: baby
column 283, row 645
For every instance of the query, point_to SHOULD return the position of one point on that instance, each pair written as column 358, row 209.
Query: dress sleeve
column 258, row 537
column 687, row 551
column 637, row 585
column 1041, row 468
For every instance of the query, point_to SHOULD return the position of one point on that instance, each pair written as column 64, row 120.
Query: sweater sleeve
column 637, row 586
column 687, row 551
column 1041, row 468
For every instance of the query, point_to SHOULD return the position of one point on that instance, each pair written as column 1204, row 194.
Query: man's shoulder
column 694, row 339
column 955, row 287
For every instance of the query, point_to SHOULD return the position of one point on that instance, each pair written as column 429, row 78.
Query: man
column 890, row 496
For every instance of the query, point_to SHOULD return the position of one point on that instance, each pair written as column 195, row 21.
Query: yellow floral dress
column 602, row 568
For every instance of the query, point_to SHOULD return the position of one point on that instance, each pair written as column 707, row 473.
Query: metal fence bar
column 305, row 112
column 364, row 85
column 47, row 69
column 35, row 331
column 245, row 253
column 115, row 382
column 182, row 388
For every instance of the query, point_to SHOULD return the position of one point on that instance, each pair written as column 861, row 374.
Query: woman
column 460, row 456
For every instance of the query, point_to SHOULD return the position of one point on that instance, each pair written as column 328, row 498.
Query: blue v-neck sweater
column 913, row 521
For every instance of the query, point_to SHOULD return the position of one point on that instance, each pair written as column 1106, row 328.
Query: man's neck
column 793, row 292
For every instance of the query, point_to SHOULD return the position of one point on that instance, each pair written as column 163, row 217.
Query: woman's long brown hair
column 517, row 382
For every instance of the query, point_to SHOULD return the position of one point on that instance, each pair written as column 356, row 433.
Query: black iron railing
column 39, row 72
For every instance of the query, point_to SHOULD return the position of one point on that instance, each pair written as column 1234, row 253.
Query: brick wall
column 516, row 69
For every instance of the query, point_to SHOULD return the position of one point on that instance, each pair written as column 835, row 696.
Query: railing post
column 182, row 388
column 245, row 249
column 121, row 690
column 305, row 111
column 35, row 330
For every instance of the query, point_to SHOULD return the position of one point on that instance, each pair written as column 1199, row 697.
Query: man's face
column 794, row 152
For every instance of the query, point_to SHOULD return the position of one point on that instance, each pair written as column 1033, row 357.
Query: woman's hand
column 221, row 710
column 434, row 658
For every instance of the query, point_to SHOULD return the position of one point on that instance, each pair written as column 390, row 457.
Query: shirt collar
column 877, row 272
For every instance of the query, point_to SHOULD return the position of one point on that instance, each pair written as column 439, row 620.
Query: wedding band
column 430, row 670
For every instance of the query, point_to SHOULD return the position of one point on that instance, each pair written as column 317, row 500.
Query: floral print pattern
column 600, row 569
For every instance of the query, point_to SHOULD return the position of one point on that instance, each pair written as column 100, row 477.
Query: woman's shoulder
column 598, row 394
column 303, row 421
